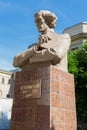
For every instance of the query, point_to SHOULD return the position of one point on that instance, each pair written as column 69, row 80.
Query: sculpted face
column 45, row 20
column 40, row 23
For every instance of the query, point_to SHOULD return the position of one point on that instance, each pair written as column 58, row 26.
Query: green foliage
column 82, row 106
column 73, row 62
column 77, row 60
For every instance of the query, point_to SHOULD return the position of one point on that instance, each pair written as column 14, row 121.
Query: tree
column 77, row 60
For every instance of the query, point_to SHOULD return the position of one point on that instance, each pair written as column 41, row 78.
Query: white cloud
column 4, row 4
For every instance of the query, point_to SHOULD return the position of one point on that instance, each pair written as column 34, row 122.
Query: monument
column 44, row 97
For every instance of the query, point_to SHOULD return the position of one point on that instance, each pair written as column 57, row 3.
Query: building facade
column 6, row 84
column 78, row 34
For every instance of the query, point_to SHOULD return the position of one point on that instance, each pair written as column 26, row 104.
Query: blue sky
column 17, row 26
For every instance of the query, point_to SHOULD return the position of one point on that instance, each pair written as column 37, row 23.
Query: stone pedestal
column 44, row 99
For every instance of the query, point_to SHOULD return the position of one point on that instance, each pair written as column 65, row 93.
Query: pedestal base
column 44, row 99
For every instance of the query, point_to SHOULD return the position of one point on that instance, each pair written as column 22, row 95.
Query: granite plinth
column 44, row 99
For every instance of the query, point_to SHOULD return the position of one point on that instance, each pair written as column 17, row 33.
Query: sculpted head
column 45, row 20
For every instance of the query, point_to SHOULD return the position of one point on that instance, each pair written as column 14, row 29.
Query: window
column 3, row 80
column 9, row 81
column 0, row 93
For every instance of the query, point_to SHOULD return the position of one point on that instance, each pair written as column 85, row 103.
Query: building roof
column 77, row 31
column 79, row 25
column 78, row 34
column 5, row 72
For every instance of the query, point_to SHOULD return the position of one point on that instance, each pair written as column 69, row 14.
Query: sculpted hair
column 48, row 17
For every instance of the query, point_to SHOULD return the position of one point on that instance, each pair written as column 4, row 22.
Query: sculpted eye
column 38, row 20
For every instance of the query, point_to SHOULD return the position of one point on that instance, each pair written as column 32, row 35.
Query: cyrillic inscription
column 31, row 90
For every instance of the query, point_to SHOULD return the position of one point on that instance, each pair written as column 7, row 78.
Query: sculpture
column 50, row 47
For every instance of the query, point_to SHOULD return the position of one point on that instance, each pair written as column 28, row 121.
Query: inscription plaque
column 31, row 90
